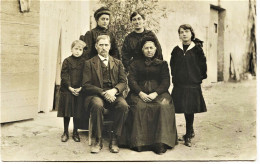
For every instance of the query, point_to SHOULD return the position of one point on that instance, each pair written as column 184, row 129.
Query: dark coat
column 152, row 122
column 90, row 40
column 93, row 79
column 132, row 49
column 188, row 70
column 157, row 73
column 71, row 76
column 71, row 73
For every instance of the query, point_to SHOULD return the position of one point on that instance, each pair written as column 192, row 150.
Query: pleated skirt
column 188, row 100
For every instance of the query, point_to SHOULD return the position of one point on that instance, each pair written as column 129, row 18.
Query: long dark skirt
column 188, row 100
column 70, row 105
column 150, row 123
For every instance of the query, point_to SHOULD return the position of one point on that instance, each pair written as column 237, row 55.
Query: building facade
column 35, row 42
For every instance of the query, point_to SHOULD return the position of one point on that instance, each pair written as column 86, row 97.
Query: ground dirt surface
column 227, row 131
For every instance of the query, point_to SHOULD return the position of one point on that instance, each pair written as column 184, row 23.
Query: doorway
column 216, row 44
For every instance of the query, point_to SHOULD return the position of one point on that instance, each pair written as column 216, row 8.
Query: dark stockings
column 189, row 124
column 66, row 122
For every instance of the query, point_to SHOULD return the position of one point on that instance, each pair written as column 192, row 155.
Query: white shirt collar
column 192, row 44
column 102, row 59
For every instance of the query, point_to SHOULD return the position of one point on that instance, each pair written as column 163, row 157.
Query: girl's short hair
column 136, row 13
column 78, row 42
column 187, row 27
column 102, row 37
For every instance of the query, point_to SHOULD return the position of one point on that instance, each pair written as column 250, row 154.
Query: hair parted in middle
column 187, row 27
column 150, row 39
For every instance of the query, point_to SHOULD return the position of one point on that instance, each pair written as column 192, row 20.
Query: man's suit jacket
column 93, row 78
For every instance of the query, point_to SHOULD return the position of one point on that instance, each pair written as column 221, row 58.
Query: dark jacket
column 132, row 49
column 90, row 39
column 71, row 76
column 93, row 79
column 188, row 68
column 156, row 74
column 71, row 73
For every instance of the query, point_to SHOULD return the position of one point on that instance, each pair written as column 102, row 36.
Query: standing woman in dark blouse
column 132, row 49
column 151, row 107
column 102, row 17
column 188, row 69
column 71, row 94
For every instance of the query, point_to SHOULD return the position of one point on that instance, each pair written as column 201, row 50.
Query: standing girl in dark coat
column 71, row 95
column 188, row 69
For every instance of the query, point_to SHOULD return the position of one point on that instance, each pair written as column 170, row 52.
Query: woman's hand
column 77, row 90
column 73, row 91
column 144, row 97
column 153, row 95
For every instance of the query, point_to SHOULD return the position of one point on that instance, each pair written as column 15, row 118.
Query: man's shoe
column 65, row 137
column 113, row 146
column 75, row 136
column 97, row 146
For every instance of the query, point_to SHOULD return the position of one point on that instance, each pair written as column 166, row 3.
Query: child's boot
column 75, row 136
column 65, row 137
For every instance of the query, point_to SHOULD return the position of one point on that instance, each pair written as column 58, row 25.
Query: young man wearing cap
column 132, row 49
column 102, row 17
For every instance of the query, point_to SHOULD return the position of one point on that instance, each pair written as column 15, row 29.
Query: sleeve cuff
column 117, row 93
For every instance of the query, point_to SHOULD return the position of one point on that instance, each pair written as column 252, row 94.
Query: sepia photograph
column 128, row 81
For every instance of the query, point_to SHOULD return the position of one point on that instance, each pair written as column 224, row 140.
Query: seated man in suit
column 104, row 80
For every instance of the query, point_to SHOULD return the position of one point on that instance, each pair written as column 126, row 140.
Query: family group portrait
column 128, row 81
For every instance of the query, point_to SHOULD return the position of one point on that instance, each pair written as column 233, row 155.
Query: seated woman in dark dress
column 151, row 108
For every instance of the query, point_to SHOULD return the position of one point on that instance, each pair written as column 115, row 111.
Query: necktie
column 105, row 61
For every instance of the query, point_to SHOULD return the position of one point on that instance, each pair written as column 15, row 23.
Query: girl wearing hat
column 188, row 69
column 102, row 17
